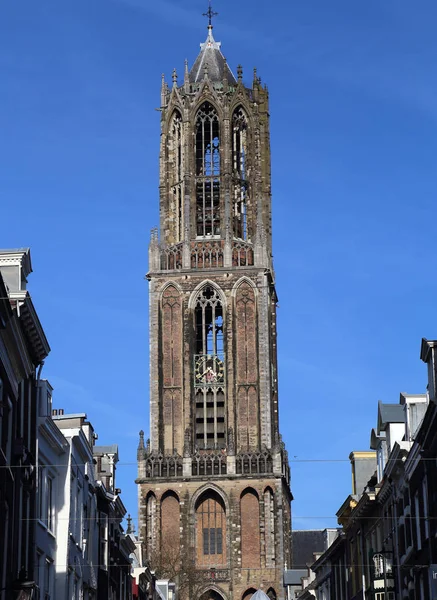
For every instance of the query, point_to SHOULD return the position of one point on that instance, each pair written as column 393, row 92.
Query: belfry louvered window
column 209, row 375
column 176, row 173
column 239, row 172
column 207, row 171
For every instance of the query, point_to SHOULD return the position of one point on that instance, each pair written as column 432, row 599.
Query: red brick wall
column 172, row 355
column 250, row 530
column 170, row 534
column 246, row 368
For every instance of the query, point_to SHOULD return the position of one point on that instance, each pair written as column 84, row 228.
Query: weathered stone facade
column 214, row 476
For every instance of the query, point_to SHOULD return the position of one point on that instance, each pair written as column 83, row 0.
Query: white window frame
column 425, row 506
column 48, row 579
column 46, row 497
column 50, row 512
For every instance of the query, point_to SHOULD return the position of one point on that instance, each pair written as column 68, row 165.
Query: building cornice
column 39, row 346
column 397, row 459
column 413, row 460
column 53, row 435
column 346, row 508
column 21, row 357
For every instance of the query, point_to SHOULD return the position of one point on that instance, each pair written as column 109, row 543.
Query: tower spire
column 210, row 14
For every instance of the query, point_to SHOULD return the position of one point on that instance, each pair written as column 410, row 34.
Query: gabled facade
column 214, row 477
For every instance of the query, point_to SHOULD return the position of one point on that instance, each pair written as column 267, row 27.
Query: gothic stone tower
column 214, row 481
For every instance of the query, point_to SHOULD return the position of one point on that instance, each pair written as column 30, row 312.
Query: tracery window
column 209, row 372
column 176, row 174
column 207, row 171
column 239, row 171
column 209, row 322
column 211, row 530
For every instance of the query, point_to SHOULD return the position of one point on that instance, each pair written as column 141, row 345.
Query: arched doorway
column 248, row 593
column 211, row 595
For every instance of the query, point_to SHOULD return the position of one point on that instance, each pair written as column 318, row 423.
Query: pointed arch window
column 209, row 375
column 239, row 171
column 209, row 322
column 207, row 132
column 211, row 530
column 176, row 175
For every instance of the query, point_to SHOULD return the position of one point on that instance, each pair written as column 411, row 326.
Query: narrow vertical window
column 269, row 527
column 207, row 171
column 239, row 172
column 209, row 370
column 49, row 492
column 176, row 153
column 48, row 579
column 417, row 518
column 150, row 524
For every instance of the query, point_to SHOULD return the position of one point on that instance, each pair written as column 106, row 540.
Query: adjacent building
column 308, row 546
column 53, row 500
column 214, row 479
column 75, row 522
column 387, row 548
column 115, row 547
column 23, row 348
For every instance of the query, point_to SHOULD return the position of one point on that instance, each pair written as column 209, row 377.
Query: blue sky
column 353, row 90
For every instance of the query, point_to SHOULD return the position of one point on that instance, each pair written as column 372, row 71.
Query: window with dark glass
column 212, row 541
column 207, row 131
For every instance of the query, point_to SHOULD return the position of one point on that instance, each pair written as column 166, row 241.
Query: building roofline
column 69, row 416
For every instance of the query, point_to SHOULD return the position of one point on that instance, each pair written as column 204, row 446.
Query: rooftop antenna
column 210, row 14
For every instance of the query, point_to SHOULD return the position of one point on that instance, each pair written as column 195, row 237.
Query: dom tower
column 214, row 482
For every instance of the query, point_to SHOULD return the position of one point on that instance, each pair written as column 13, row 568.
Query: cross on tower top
column 210, row 14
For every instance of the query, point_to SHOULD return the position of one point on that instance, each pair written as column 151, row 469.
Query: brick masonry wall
column 245, row 528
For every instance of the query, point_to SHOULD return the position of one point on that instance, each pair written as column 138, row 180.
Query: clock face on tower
column 208, row 370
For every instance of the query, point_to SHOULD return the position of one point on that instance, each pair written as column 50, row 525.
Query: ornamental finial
column 210, row 14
